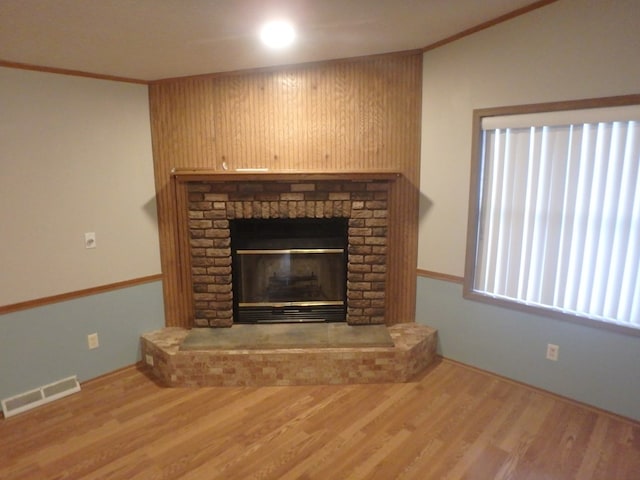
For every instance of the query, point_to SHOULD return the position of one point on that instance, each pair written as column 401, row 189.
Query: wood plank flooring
column 451, row 423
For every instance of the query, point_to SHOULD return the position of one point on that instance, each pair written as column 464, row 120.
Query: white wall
column 75, row 157
column 570, row 49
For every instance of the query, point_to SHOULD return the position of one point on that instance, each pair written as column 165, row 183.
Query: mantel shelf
column 260, row 175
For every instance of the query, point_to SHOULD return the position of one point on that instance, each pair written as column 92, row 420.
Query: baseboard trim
column 63, row 297
column 140, row 366
column 578, row 403
column 105, row 376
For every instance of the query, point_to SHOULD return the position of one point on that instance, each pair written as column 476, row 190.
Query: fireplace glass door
column 290, row 270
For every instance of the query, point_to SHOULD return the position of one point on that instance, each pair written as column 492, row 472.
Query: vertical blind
column 559, row 223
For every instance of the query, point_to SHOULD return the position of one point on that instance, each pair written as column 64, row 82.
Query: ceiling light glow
column 277, row 34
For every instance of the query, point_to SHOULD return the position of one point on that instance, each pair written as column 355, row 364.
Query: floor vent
column 39, row 396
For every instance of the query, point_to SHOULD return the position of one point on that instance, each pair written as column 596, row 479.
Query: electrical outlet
column 552, row 352
column 149, row 359
column 92, row 341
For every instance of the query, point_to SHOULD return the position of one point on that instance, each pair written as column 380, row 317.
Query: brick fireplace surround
column 216, row 198
column 212, row 204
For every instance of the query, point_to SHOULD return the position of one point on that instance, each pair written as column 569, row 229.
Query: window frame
column 473, row 220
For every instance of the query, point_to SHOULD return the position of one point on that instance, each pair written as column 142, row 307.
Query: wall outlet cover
column 92, row 341
column 552, row 352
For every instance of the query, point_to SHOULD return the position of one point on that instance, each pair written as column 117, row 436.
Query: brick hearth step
column 414, row 348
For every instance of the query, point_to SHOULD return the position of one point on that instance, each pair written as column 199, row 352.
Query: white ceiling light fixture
column 277, row 34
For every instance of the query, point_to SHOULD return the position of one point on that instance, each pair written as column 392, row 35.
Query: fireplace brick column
column 213, row 204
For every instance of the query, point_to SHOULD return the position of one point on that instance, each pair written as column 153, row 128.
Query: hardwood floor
column 453, row 422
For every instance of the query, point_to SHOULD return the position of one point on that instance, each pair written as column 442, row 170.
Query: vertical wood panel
column 348, row 115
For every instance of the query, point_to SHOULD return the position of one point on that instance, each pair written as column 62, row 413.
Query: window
column 554, row 222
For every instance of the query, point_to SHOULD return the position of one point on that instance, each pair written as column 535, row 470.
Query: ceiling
column 155, row 39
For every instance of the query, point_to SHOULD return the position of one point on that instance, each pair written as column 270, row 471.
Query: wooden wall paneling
column 402, row 150
column 344, row 115
column 159, row 140
column 182, row 135
column 184, row 288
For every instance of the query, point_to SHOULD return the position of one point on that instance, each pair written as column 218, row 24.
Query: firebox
column 289, row 270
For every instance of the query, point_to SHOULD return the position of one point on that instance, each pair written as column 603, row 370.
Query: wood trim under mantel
column 256, row 174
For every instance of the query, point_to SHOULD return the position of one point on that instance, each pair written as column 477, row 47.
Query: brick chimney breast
column 211, row 204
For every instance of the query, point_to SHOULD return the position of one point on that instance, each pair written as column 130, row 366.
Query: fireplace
column 289, row 270
column 331, row 265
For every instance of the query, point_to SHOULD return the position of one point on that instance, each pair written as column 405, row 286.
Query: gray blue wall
column 595, row 366
column 567, row 50
column 45, row 344
column 76, row 157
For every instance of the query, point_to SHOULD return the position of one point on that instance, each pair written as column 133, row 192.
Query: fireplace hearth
column 289, row 270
